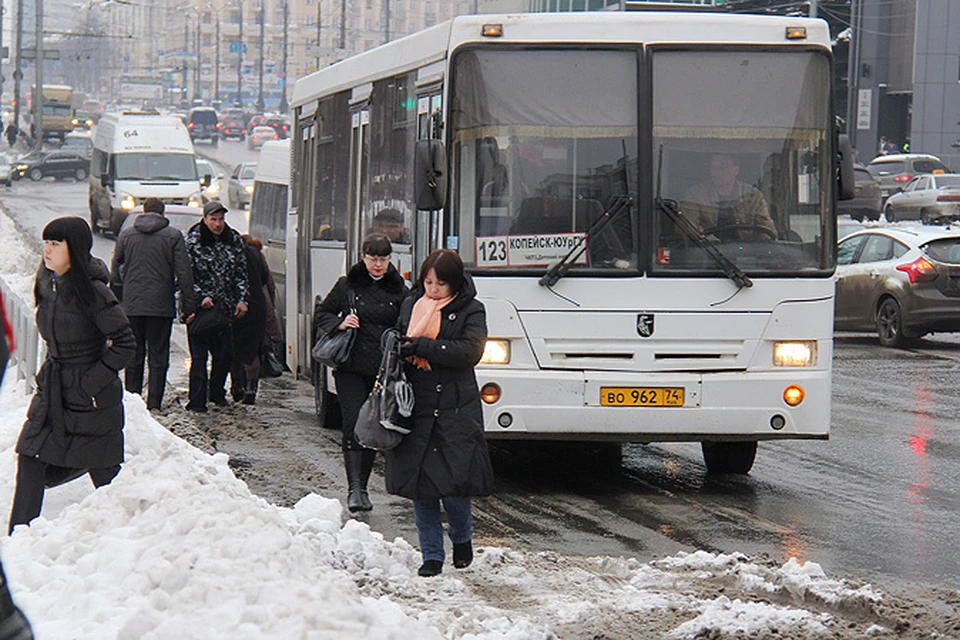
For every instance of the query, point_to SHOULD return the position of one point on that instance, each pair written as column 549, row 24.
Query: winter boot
column 353, row 460
column 462, row 554
column 366, row 467
column 250, row 393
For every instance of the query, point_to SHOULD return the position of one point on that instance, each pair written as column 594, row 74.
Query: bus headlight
column 496, row 352
column 127, row 202
column 800, row 353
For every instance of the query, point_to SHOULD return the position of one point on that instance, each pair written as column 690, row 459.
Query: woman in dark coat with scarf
column 378, row 289
column 444, row 458
column 75, row 419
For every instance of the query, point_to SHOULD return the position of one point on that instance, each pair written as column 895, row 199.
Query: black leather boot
column 352, row 461
column 366, row 467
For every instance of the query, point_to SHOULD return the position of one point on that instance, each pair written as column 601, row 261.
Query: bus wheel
column 729, row 457
column 325, row 403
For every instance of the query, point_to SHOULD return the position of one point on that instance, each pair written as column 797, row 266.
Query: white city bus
column 565, row 157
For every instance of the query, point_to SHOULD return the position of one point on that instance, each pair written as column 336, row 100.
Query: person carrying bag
column 333, row 349
column 444, row 459
column 378, row 290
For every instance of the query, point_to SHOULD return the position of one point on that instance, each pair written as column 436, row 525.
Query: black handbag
column 387, row 413
column 270, row 365
column 210, row 321
column 333, row 349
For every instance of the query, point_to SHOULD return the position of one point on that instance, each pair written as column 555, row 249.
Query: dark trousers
column 153, row 342
column 34, row 476
column 352, row 392
column 220, row 348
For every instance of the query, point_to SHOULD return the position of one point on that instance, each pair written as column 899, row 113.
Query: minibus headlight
column 127, row 202
column 496, row 352
column 795, row 353
column 248, row 188
column 194, row 200
column 213, row 189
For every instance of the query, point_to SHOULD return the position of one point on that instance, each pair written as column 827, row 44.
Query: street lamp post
column 240, row 56
column 217, row 9
column 260, row 104
column 283, row 86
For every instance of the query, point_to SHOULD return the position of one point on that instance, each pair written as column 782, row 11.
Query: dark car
column 204, row 124
column 59, row 164
column 895, row 171
column 930, row 198
column 866, row 200
column 232, row 125
column 902, row 283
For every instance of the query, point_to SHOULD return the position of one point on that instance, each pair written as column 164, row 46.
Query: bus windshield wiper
column 557, row 271
column 672, row 209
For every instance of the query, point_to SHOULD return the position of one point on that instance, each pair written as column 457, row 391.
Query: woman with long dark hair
column 75, row 420
column 378, row 290
column 444, row 459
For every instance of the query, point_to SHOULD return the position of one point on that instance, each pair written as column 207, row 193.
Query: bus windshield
column 748, row 168
column 545, row 141
column 155, row 166
column 542, row 141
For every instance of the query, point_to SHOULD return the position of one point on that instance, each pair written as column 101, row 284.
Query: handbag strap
column 351, row 300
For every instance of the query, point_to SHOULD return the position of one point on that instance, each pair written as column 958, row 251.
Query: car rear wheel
column 926, row 217
column 890, row 324
column 888, row 213
column 36, row 175
column 729, row 457
column 81, row 174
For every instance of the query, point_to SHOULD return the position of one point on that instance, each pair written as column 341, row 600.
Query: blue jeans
column 426, row 513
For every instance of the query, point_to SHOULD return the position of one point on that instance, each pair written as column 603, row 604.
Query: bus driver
column 727, row 202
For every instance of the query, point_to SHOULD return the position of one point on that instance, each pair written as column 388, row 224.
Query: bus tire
column 729, row 457
column 325, row 403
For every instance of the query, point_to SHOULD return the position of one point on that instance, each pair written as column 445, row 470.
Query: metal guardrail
column 31, row 348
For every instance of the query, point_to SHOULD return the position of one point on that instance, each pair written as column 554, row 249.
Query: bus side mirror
column 430, row 177
column 845, row 176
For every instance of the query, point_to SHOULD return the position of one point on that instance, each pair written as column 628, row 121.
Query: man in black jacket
column 151, row 263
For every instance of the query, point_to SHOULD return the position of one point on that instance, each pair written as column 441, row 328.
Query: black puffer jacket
column 377, row 304
column 150, row 262
column 75, row 418
column 446, row 452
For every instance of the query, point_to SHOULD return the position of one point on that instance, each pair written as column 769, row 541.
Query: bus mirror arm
column 557, row 271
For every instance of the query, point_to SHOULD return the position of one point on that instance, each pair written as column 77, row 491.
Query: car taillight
column 948, row 198
column 903, row 177
column 920, row 270
column 285, row 127
column 219, row 125
column 190, row 125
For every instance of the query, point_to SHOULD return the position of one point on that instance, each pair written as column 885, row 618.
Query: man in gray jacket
column 150, row 263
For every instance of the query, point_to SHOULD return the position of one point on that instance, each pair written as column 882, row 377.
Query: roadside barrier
column 31, row 348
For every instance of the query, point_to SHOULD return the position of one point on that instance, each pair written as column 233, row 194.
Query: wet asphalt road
column 877, row 502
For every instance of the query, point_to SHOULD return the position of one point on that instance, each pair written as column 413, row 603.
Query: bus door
column 429, row 227
column 359, row 164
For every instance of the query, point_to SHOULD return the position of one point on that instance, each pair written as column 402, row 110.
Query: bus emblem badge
column 645, row 324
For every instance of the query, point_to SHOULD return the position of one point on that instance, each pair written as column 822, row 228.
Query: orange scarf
column 425, row 323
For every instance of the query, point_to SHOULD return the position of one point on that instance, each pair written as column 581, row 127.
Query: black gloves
column 410, row 347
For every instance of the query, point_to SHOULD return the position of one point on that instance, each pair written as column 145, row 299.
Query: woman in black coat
column 249, row 331
column 75, row 419
column 444, row 458
column 378, row 289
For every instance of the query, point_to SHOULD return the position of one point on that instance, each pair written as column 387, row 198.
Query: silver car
column 902, row 283
column 240, row 187
column 930, row 198
column 896, row 170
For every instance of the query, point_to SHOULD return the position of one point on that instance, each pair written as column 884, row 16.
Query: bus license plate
column 641, row 396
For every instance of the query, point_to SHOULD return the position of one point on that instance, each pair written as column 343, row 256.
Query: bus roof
column 274, row 163
column 434, row 44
